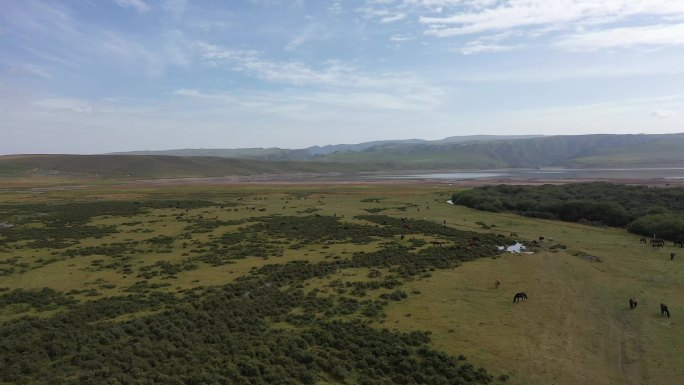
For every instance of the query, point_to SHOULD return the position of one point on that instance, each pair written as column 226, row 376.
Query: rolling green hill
column 157, row 166
column 668, row 152
column 558, row 151
column 580, row 151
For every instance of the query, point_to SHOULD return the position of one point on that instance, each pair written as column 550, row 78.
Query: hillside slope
column 157, row 166
column 533, row 152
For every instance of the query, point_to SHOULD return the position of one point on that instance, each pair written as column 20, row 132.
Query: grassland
column 575, row 328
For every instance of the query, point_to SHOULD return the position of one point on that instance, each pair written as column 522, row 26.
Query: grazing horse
column 664, row 310
column 541, row 238
column 633, row 303
column 657, row 243
column 642, row 240
column 513, row 235
column 519, row 297
column 679, row 243
column 497, row 283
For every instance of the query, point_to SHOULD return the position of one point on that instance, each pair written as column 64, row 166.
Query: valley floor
column 576, row 327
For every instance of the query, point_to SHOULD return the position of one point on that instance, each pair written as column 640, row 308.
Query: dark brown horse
column 633, row 303
column 519, row 297
column 657, row 243
column 664, row 310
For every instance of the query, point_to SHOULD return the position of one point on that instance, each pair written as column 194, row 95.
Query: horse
column 497, row 283
column 541, row 238
column 679, row 243
column 664, row 310
column 519, row 297
column 642, row 240
column 672, row 255
column 633, row 303
column 513, row 235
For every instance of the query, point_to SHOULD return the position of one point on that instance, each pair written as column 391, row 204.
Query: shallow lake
column 551, row 173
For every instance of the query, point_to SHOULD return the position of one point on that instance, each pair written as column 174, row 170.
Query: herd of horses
column 633, row 302
column 655, row 242
column 664, row 311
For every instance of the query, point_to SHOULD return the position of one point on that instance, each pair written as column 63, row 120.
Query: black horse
column 519, row 297
column 633, row 303
column 664, row 310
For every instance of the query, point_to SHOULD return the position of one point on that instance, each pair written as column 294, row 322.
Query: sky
column 95, row 76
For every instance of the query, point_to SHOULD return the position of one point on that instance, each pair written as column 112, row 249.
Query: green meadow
column 322, row 284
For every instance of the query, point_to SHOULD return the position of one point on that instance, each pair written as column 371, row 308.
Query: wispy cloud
column 646, row 36
column 175, row 7
column 579, row 25
column 400, row 38
column 330, row 73
column 25, row 69
column 663, row 114
column 340, row 100
column 73, row 105
column 510, row 14
column 314, row 31
column 138, row 5
column 392, row 18
column 477, row 47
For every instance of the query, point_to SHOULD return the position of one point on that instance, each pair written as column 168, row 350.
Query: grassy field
column 575, row 328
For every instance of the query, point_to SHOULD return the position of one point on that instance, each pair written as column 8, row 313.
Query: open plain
column 394, row 256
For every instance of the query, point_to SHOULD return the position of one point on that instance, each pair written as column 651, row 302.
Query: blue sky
column 91, row 76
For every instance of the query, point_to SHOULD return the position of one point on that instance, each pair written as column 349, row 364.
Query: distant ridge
column 308, row 153
column 579, row 151
column 153, row 166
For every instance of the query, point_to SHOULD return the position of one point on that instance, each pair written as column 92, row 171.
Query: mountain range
column 460, row 152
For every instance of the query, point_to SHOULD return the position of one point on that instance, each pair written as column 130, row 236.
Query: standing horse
column 664, row 310
column 497, row 283
column 633, row 303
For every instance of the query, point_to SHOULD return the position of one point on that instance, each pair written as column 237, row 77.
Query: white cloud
column 400, row 38
column 477, row 47
column 139, row 5
column 72, row 105
column 392, row 18
column 663, row 114
column 314, row 31
column 510, row 14
column 656, row 35
column 328, row 74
